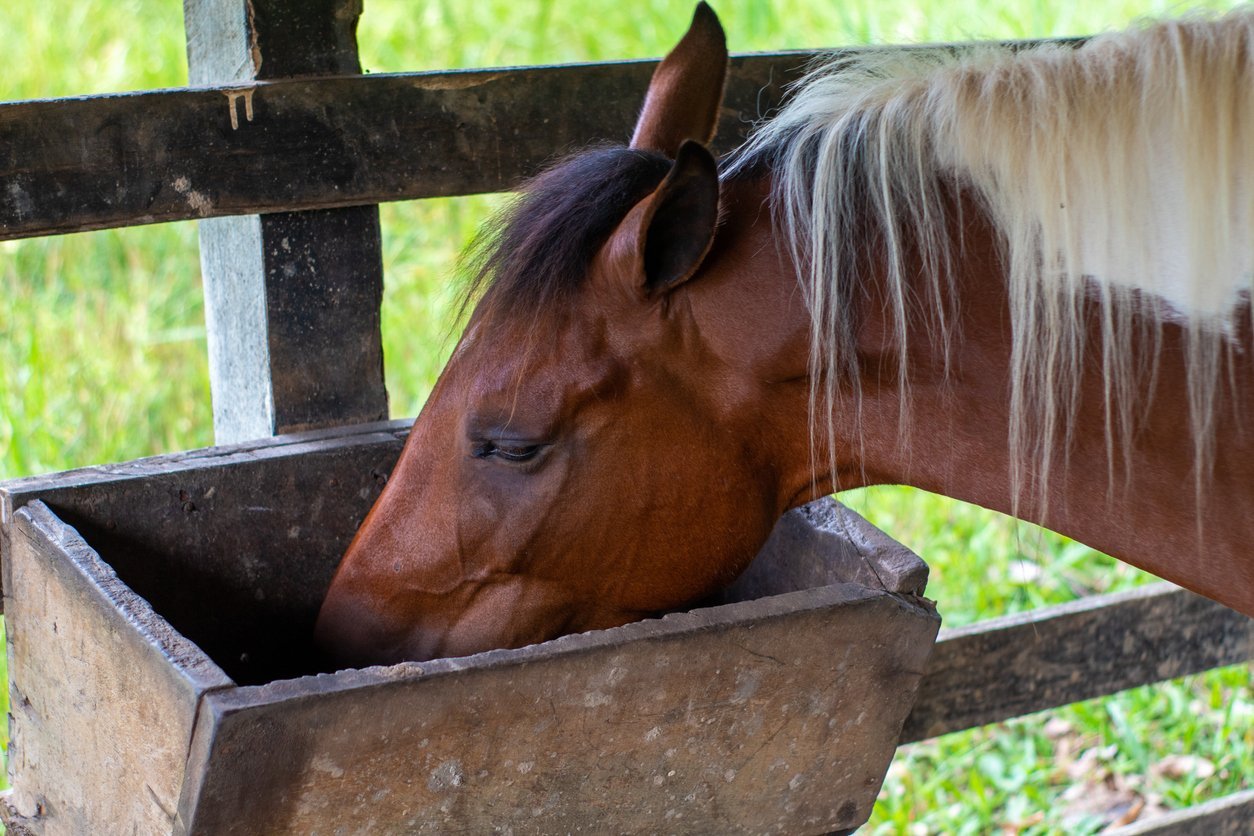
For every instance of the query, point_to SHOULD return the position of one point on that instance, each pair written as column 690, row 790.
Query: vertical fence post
column 292, row 299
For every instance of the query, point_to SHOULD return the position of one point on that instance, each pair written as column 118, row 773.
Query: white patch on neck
column 1160, row 254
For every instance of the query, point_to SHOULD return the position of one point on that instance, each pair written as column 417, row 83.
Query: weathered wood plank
column 104, row 694
column 292, row 300
column 265, row 146
column 1232, row 815
column 1008, row 667
column 812, row 542
column 253, row 146
column 766, row 716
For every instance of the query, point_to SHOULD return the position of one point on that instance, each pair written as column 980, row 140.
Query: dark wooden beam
column 1008, row 667
column 247, row 143
column 316, row 143
column 1227, row 816
column 292, row 299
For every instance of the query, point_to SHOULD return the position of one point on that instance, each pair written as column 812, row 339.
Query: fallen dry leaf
column 1180, row 766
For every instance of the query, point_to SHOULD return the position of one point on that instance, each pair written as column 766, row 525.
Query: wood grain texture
column 292, row 300
column 1008, row 667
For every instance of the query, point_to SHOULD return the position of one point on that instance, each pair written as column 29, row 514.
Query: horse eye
column 517, row 453
column 508, row 452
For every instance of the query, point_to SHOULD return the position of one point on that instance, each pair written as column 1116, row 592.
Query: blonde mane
column 1120, row 172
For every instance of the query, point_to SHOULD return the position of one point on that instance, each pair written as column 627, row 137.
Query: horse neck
column 750, row 315
column 950, row 436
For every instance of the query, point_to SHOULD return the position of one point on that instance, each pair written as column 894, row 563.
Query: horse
column 1016, row 277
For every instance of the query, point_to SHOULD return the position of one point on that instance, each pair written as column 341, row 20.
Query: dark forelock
column 538, row 251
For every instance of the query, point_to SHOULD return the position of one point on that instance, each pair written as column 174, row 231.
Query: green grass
column 1020, row 773
column 102, row 358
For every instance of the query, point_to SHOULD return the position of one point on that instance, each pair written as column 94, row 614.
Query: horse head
column 950, row 266
column 598, row 447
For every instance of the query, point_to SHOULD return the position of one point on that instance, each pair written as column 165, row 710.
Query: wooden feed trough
column 158, row 616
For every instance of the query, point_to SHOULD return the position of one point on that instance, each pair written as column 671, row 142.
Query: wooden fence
column 282, row 123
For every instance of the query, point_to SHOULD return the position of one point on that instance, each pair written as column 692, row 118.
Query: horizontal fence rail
column 96, row 162
column 1008, row 667
column 1232, row 815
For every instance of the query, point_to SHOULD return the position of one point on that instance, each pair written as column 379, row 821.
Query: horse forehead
column 554, row 355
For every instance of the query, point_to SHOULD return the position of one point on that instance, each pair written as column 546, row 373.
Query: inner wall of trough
column 253, row 632
column 237, row 557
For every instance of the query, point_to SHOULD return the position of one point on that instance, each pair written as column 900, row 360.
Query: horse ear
column 686, row 92
column 678, row 226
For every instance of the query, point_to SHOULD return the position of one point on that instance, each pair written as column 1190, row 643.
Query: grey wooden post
column 292, row 299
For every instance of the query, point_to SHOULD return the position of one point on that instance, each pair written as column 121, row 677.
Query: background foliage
column 102, row 358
